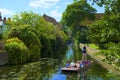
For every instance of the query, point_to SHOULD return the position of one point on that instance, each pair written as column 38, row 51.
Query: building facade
column 2, row 23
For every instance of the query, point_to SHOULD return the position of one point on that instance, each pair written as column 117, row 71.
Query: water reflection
column 50, row 69
column 95, row 72
column 41, row 70
column 69, row 53
column 82, row 75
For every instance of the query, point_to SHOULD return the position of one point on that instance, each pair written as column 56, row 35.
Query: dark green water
column 50, row 69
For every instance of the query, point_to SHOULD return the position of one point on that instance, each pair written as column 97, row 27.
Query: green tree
column 105, row 32
column 26, row 18
column 38, row 35
column 77, row 12
column 53, row 40
column 29, row 38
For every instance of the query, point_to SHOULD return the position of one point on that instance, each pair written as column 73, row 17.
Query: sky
column 53, row 8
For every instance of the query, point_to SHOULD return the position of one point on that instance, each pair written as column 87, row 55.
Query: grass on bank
column 93, row 46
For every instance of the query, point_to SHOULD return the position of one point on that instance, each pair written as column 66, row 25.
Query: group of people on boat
column 73, row 64
column 79, row 64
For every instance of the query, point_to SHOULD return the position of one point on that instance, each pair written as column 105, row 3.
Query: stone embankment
column 99, row 58
column 3, row 55
column 3, row 58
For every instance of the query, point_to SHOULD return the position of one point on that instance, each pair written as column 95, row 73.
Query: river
column 50, row 69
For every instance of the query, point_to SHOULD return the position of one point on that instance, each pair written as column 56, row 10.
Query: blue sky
column 53, row 8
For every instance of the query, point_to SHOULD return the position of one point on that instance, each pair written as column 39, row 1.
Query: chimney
column 4, row 20
column 0, row 16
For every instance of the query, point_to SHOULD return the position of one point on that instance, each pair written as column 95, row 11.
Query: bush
column 30, row 38
column 17, row 51
column 112, row 54
column 43, row 39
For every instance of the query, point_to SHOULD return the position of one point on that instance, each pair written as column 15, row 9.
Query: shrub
column 17, row 51
column 30, row 38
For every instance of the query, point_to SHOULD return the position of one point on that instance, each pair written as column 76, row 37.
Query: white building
column 2, row 22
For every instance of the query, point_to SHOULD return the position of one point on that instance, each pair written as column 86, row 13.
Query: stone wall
column 1, row 45
column 3, row 58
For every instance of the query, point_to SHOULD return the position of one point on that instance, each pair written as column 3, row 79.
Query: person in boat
column 84, row 54
column 68, row 64
column 77, row 64
column 82, row 64
column 72, row 64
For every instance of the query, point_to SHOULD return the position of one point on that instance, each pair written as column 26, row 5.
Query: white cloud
column 56, row 15
column 57, row 7
column 5, row 11
column 43, row 3
column 67, row 3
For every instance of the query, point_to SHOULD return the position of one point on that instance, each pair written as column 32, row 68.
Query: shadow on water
column 50, row 69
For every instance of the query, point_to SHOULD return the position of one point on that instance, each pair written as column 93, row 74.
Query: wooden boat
column 76, row 69
column 70, row 69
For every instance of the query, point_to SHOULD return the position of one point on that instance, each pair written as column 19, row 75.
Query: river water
column 50, row 69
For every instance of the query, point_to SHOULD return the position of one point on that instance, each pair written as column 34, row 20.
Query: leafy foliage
column 105, row 32
column 18, row 52
column 25, row 18
column 42, row 39
column 77, row 12
column 30, row 39
column 74, row 17
column 112, row 54
column 52, row 39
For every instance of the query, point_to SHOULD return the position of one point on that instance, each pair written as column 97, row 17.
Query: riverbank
column 99, row 58
column 3, row 57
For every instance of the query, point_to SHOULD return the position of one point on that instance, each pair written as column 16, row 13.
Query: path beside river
column 99, row 58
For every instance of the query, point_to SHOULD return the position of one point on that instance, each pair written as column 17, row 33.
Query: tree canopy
column 77, row 12
column 41, row 38
column 105, row 32
column 107, row 29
